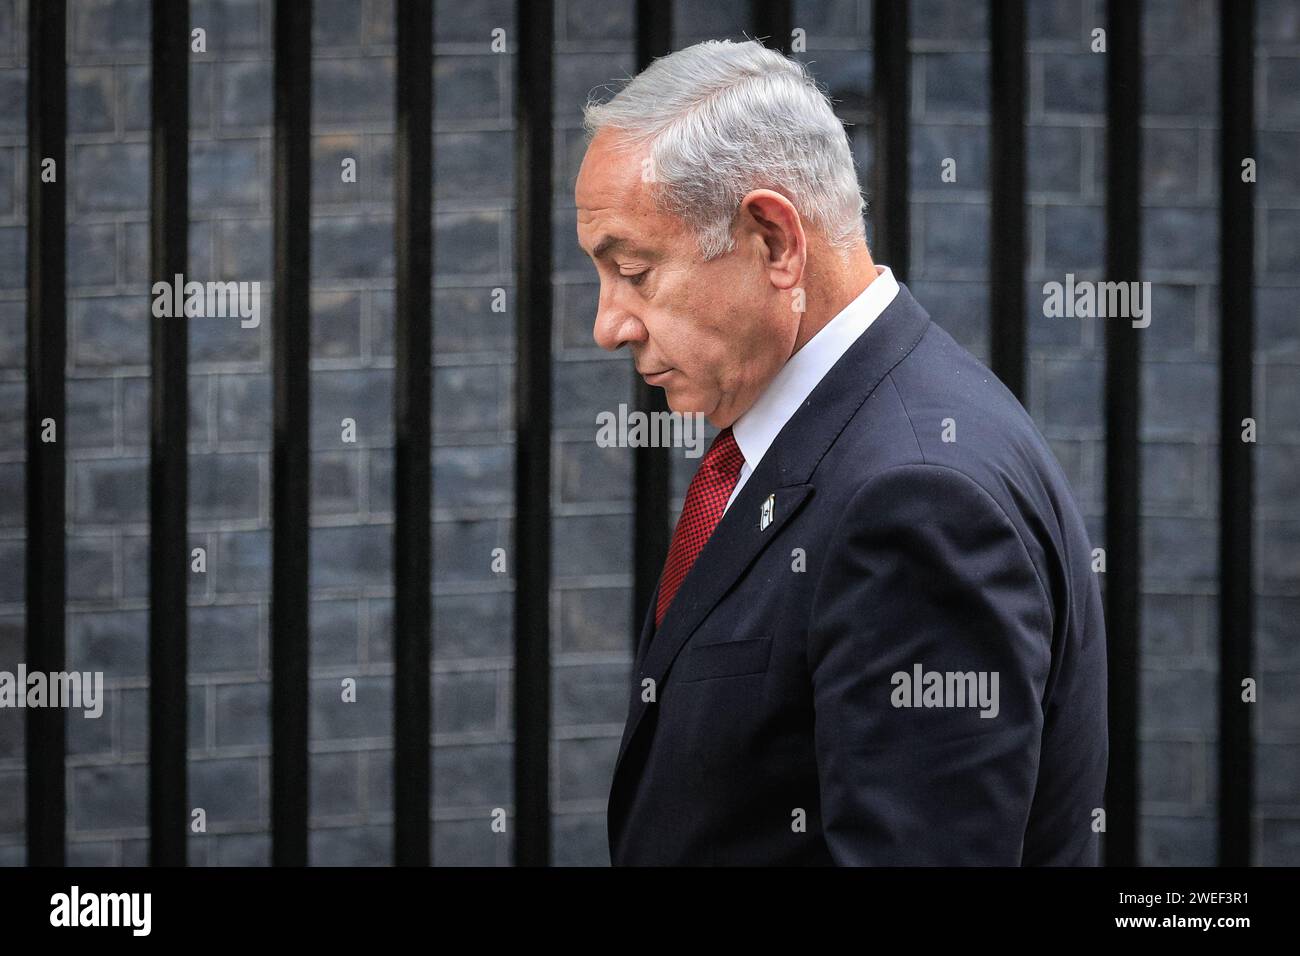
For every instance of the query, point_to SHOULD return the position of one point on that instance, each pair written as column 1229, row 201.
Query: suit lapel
column 783, row 472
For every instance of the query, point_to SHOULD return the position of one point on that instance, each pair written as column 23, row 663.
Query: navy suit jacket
column 920, row 524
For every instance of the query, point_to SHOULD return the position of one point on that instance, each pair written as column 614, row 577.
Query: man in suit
column 877, row 639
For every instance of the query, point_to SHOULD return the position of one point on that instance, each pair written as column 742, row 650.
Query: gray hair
column 724, row 118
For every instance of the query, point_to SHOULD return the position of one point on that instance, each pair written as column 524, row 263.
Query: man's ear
column 776, row 223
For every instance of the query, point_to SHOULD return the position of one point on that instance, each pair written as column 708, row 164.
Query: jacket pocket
column 724, row 659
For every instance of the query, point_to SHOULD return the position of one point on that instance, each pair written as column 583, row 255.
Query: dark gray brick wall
column 352, row 359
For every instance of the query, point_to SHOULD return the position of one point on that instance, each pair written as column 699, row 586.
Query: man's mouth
column 651, row 377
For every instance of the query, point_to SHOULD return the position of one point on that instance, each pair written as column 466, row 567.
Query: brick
column 584, row 768
column 110, row 177
column 244, row 94
column 583, row 389
column 1178, row 86
column 352, row 247
column 226, row 486
column 1179, row 549
column 91, row 105
column 336, row 23
column 91, row 853
column 243, row 714
column 1178, row 399
column 92, row 254
column 1074, row 83
column 956, row 235
column 1070, row 390
column 465, row 702
column 474, row 776
column 352, row 89
column 109, row 330
column 110, row 26
column 13, row 807
column 1074, row 241
column 582, row 839
column 244, row 408
column 241, row 849
column 227, row 173
column 336, row 325
column 591, row 544
column 242, row 562
column 228, row 789
column 1281, row 400
column 225, row 638
column 335, row 633
column 591, row 473
column 469, row 244
column 115, row 642
column 472, row 626
column 469, row 87
column 1179, row 239
column 471, row 843
column 13, row 102
column 941, row 20
column 90, row 413
column 336, row 785
column 13, row 495
column 1174, row 772
column 108, row 797
column 1177, row 841
column 592, row 20
column 336, row 482
column 352, row 846
column 933, row 144
column 468, row 399
column 370, row 716
column 1281, row 80
column 110, row 490
column 1170, row 626
column 590, row 694
column 1282, row 241
column 90, row 568
column 351, row 557
column 1169, row 476
column 471, row 164
column 232, row 25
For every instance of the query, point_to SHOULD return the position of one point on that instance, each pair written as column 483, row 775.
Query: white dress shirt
column 757, row 428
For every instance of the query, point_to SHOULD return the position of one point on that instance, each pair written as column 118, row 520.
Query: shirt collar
column 758, row 427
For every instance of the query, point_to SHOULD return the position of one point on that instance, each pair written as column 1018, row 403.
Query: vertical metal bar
column 533, row 180
column 412, row 432
column 168, row 438
column 652, row 466
column 290, row 479
column 1123, row 476
column 1236, row 476
column 893, row 98
column 47, row 339
column 1007, row 193
column 773, row 22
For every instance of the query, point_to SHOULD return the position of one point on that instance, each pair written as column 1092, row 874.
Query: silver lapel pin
column 768, row 513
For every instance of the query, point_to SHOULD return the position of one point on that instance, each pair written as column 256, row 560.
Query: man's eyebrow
column 607, row 245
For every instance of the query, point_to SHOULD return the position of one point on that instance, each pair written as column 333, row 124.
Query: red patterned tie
column 706, row 499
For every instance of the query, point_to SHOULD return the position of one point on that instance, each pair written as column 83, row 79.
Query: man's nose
column 616, row 327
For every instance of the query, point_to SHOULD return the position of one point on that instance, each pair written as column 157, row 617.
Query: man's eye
column 636, row 278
